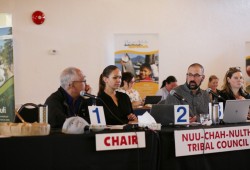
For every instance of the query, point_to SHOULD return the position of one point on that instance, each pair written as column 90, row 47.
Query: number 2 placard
column 181, row 114
column 96, row 115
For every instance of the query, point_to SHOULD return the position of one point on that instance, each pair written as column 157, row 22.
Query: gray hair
column 67, row 76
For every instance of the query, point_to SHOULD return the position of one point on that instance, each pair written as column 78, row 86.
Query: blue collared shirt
column 73, row 105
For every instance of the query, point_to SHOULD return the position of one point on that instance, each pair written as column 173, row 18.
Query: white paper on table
column 146, row 118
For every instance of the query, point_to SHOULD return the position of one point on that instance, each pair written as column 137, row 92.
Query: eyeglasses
column 193, row 75
column 81, row 81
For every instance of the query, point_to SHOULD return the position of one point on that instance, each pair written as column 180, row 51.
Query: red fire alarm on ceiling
column 38, row 17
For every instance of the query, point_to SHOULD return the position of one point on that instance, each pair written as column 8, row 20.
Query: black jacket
column 58, row 109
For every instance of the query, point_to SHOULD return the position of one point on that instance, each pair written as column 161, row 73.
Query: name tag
column 117, row 141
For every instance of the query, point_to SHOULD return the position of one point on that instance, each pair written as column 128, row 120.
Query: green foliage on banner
column 7, row 105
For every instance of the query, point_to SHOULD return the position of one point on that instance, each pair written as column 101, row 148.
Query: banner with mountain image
column 7, row 103
column 139, row 54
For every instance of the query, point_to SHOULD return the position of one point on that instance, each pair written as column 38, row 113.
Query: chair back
column 29, row 112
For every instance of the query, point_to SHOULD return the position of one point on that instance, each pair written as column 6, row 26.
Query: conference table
column 72, row 152
column 67, row 151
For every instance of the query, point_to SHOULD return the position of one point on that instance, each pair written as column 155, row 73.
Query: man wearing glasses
column 196, row 98
column 66, row 101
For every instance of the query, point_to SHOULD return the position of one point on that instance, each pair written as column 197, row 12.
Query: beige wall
column 211, row 32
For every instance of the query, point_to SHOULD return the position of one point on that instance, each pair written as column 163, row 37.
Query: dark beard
column 192, row 85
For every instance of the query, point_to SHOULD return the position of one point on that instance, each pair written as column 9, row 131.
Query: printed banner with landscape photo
column 7, row 105
column 139, row 54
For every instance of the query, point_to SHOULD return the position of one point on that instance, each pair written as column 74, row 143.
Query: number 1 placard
column 96, row 115
column 181, row 114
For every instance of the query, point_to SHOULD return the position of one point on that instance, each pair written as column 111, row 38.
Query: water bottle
column 43, row 113
column 215, row 113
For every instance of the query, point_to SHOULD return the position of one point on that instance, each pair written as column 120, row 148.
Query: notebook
column 236, row 111
column 163, row 113
column 152, row 99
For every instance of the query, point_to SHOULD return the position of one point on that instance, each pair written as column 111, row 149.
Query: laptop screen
column 163, row 113
column 152, row 99
column 236, row 111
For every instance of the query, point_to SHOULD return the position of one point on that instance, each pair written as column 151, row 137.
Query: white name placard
column 221, row 114
column 96, row 115
column 116, row 141
column 203, row 141
column 181, row 114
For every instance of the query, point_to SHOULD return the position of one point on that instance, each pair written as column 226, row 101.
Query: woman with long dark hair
column 117, row 105
column 167, row 85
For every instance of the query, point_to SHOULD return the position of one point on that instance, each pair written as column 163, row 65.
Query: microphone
column 179, row 97
column 209, row 90
column 83, row 93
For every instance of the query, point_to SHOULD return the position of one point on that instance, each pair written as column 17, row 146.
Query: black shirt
column 116, row 115
column 227, row 96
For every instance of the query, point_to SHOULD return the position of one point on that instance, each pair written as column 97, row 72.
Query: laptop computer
column 152, row 99
column 163, row 113
column 236, row 111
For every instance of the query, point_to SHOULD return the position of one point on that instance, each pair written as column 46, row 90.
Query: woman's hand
column 135, row 104
column 132, row 117
column 239, row 97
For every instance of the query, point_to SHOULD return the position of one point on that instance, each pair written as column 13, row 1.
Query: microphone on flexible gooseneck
column 209, row 90
column 83, row 93
column 179, row 97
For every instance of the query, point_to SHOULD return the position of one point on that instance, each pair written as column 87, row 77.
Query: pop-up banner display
column 203, row 141
column 139, row 55
column 116, row 141
column 7, row 98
